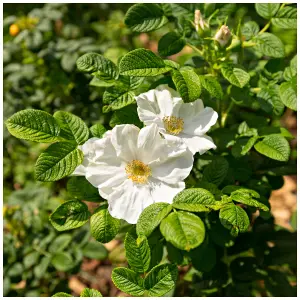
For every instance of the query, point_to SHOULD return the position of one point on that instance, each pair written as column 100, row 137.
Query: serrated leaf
column 137, row 252
column 172, row 64
column 183, row 229
column 270, row 45
column 128, row 281
column 60, row 243
column 250, row 143
column 57, row 161
column 171, row 43
column 288, row 94
column 90, row 293
column 182, row 10
column 34, row 125
column 104, row 227
column 62, row 261
column 97, row 130
column 235, row 75
column 194, row 200
column 145, row 17
column 267, row 10
column 72, row 127
column 160, row 280
column 128, row 115
column 94, row 62
column 234, row 218
column 151, row 217
column 142, row 62
column 69, row 215
column 274, row 146
column 61, row 294
column 291, row 71
column 216, row 171
column 286, row 18
column 131, row 83
column 212, row 85
column 187, row 83
column 250, row 29
column 116, row 98
column 79, row 188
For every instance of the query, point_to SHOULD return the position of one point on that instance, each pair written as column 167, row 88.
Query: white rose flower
column 177, row 120
column 134, row 168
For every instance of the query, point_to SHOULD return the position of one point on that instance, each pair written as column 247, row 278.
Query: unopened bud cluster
column 223, row 36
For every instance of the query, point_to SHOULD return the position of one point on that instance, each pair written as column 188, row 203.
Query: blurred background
column 41, row 45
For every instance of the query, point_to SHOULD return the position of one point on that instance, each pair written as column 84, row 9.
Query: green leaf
column 221, row 203
column 34, row 125
column 267, row 10
column 235, row 75
column 151, row 217
column 94, row 62
column 95, row 250
column 62, row 261
column 60, row 243
column 216, row 171
column 194, row 200
column 104, row 227
column 40, row 269
column 234, row 218
column 142, row 62
column 69, row 215
column 100, row 83
column 131, row 83
column 90, row 293
column 72, row 127
column 212, row 85
column 250, row 29
column 61, row 294
column 288, row 94
column 145, row 17
column 116, row 98
column 137, row 252
column 173, row 65
column 171, row 43
column 57, row 161
column 274, row 146
column 286, row 18
column 128, row 281
column 184, row 9
column 128, row 115
column 270, row 45
column 31, row 259
column 187, row 83
column 160, row 280
column 291, row 71
column 97, row 130
column 183, row 229
column 250, row 143
column 79, row 188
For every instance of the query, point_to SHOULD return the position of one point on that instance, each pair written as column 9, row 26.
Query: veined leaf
column 171, row 43
column 69, row 215
column 291, row 71
column 212, row 85
column 145, row 17
column 172, row 64
column 183, row 229
column 61, row 294
column 160, row 280
column 267, row 10
column 235, row 75
column 286, row 18
column 288, row 94
column 234, row 218
column 57, row 161
column 274, row 146
column 104, row 227
column 94, row 62
column 270, row 45
column 128, row 281
column 187, row 83
column 250, row 29
column 128, row 115
column 194, row 200
column 72, row 127
column 62, row 261
column 216, row 171
column 151, row 217
column 142, row 62
column 97, row 130
column 34, row 125
column 137, row 252
column 90, row 293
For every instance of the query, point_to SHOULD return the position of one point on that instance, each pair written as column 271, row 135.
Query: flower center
column 137, row 171
column 173, row 125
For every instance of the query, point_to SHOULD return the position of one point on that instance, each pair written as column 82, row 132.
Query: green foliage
column 286, row 18
column 235, row 75
column 267, row 10
column 270, row 45
column 212, row 86
column 171, row 43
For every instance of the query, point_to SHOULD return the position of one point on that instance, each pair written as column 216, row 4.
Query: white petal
column 175, row 164
column 199, row 144
column 201, row 122
column 124, row 139
column 190, row 110
column 129, row 200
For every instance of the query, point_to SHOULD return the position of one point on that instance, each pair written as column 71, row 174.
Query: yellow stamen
column 137, row 171
column 173, row 125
